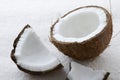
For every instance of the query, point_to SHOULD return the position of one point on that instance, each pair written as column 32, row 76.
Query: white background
column 40, row 14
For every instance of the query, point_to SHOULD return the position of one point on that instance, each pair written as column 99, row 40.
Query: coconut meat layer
column 80, row 25
column 80, row 72
column 32, row 55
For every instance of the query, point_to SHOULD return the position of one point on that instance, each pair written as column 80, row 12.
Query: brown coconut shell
column 15, row 60
column 87, row 49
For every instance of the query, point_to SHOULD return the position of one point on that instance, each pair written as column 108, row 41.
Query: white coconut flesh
column 80, row 72
column 32, row 55
column 80, row 25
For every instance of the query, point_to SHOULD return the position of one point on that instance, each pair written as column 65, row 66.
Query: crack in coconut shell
column 106, row 75
column 58, row 67
column 87, row 49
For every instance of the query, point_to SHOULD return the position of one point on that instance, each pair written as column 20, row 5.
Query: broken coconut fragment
column 82, row 33
column 80, row 72
column 30, row 55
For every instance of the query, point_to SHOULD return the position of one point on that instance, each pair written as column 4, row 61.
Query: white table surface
column 40, row 14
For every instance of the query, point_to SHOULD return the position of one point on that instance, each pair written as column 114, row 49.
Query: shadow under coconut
column 86, row 62
column 100, row 62
column 54, row 75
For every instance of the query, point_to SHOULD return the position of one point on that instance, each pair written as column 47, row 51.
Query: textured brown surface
column 89, row 48
column 15, row 60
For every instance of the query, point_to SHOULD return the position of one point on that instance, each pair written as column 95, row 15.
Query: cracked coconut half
column 82, row 33
column 30, row 55
column 80, row 72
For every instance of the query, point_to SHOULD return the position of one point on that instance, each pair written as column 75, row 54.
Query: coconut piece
column 80, row 72
column 30, row 55
column 82, row 33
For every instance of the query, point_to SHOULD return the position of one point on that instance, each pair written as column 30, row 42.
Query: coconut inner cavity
column 81, row 24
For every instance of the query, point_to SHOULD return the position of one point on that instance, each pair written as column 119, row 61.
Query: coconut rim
column 59, row 66
column 108, row 18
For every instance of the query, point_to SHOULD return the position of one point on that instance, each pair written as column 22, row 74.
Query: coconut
column 31, row 56
column 80, row 72
column 82, row 33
